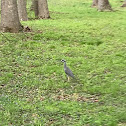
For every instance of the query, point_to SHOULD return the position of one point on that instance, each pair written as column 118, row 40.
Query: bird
column 67, row 71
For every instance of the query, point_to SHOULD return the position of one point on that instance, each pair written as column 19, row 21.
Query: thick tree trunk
column 22, row 11
column 103, row 5
column 9, row 16
column 124, row 5
column 43, row 9
column 95, row 3
column 36, row 8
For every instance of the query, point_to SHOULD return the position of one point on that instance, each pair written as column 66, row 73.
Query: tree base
column 40, row 17
column 12, row 30
column 105, row 8
column 124, row 5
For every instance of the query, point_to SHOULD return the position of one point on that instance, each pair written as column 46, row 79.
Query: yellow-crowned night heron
column 67, row 70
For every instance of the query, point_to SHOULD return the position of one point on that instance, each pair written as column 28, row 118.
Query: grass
column 34, row 88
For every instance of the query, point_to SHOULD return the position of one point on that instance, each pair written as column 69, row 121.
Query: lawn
column 34, row 90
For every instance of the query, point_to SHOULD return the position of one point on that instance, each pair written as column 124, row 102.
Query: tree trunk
column 124, row 5
column 22, row 11
column 32, row 6
column 36, row 8
column 0, row 5
column 43, row 9
column 9, row 16
column 103, row 5
column 95, row 3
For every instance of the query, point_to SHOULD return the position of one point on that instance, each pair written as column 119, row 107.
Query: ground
column 33, row 86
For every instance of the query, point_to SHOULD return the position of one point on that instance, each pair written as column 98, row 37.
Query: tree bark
column 9, row 16
column 22, row 11
column 103, row 5
column 43, row 9
column 36, row 8
column 0, row 5
column 32, row 6
column 124, row 5
column 95, row 3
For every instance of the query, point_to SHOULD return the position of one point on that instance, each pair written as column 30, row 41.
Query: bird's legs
column 68, row 78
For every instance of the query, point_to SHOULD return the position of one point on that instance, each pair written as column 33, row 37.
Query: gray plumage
column 67, row 70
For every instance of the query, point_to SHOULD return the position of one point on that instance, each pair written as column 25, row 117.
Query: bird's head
column 63, row 60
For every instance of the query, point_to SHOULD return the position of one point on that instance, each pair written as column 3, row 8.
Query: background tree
column 124, row 5
column 22, row 11
column 35, row 7
column 9, row 16
column 32, row 6
column 95, row 3
column 104, row 5
column 43, row 9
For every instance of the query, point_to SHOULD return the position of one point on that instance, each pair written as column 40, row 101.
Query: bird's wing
column 69, row 72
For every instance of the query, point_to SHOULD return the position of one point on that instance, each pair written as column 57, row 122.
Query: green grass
column 34, row 90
